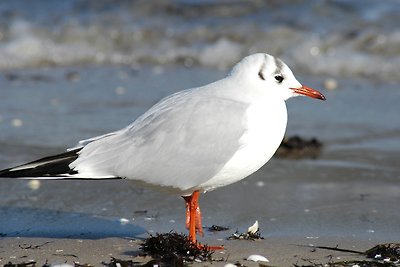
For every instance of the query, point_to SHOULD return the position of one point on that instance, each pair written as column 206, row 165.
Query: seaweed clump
column 389, row 252
column 382, row 255
column 217, row 228
column 296, row 147
column 174, row 249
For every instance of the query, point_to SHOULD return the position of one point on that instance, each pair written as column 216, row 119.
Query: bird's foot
column 212, row 248
column 207, row 247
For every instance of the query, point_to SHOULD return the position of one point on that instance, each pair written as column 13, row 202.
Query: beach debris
column 237, row 264
column 296, row 147
column 46, row 264
column 26, row 246
column 140, row 212
column 23, row 264
column 217, row 228
column 65, row 255
column 257, row 258
column 253, row 229
column 389, row 252
column 29, row 77
column 253, row 233
column 174, row 248
column 77, row 264
column 124, row 263
column 350, row 263
column 72, row 76
column 385, row 255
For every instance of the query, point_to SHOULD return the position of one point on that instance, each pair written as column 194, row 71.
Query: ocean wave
column 334, row 38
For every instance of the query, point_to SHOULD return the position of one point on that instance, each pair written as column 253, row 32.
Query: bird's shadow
column 46, row 223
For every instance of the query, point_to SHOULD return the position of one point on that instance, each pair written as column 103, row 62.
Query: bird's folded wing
column 181, row 142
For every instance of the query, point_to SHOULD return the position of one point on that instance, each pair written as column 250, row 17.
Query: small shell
column 256, row 258
column 230, row 265
column 253, row 229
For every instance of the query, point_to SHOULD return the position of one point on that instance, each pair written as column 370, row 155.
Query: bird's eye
column 279, row 78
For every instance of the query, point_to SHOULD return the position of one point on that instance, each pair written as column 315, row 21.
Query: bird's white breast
column 266, row 125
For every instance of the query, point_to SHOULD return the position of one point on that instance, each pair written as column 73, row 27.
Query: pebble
column 120, row 90
column 330, row 84
column 260, row 183
column 17, row 122
column 34, row 184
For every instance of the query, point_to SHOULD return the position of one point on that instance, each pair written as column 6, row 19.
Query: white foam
column 372, row 43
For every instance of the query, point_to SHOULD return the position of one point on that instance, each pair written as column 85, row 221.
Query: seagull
column 190, row 142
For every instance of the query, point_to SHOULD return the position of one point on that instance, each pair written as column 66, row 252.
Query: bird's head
column 270, row 73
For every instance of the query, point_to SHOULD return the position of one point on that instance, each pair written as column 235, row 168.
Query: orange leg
column 193, row 219
column 193, row 216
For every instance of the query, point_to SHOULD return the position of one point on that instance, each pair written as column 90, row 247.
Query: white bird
column 192, row 141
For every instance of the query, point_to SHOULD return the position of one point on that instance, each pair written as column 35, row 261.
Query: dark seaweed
column 174, row 249
column 298, row 147
column 389, row 251
column 217, row 228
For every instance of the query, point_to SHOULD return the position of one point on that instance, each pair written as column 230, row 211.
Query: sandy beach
column 279, row 251
column 76, row 70
column 347, row 196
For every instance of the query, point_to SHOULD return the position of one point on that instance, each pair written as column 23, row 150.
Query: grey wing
column 181, row 142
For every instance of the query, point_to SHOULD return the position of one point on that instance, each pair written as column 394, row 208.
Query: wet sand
column 347, row 196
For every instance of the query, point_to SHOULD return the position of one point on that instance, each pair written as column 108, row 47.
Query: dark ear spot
column 261, row 75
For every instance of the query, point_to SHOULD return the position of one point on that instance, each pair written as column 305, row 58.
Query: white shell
column 256, row 258
column 253, row 229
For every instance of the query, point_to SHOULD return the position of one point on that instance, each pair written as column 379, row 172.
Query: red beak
column 307, row 91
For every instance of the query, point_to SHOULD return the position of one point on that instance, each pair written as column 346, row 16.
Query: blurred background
column 70, row 70
column 317, row 37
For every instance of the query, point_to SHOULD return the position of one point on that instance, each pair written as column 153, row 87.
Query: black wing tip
column 51, row 166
